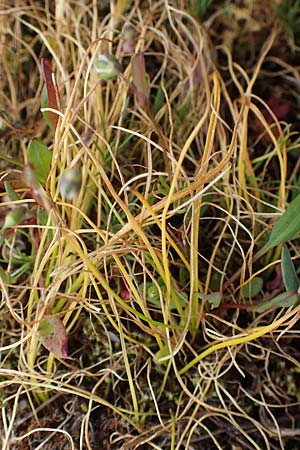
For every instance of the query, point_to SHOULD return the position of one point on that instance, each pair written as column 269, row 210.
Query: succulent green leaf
column 40, row 157
column 289, row 275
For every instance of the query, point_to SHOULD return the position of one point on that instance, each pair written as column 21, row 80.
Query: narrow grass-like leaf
column 289, row 275
column 158, row 100
column 6, row 277
column 40, row 157
column 285, row 299
column 285, row 228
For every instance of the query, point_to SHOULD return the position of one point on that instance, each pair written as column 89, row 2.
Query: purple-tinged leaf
column 51, row 89
column 53, row 336
column 36, row 190
column 140, row 80
column 129, row 38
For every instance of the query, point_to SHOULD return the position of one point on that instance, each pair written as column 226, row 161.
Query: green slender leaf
column 289, row 275
column 253, row 287
column 285, row 228
column 40, row 157
column 6, row 277
column 158, row 100
column 201, row 7
column 285, row 299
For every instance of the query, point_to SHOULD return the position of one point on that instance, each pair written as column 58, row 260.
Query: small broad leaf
column 289, row 275
column 284, row 299
column 53, row 336
column 214, row 299
column 10, row 191
column 285, row 228
column 253, row 287
column 14, row 217
column 42, row 216
column 40, row 157
column 153, row 295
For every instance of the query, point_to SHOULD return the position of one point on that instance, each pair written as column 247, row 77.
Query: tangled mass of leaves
column 149, row 222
